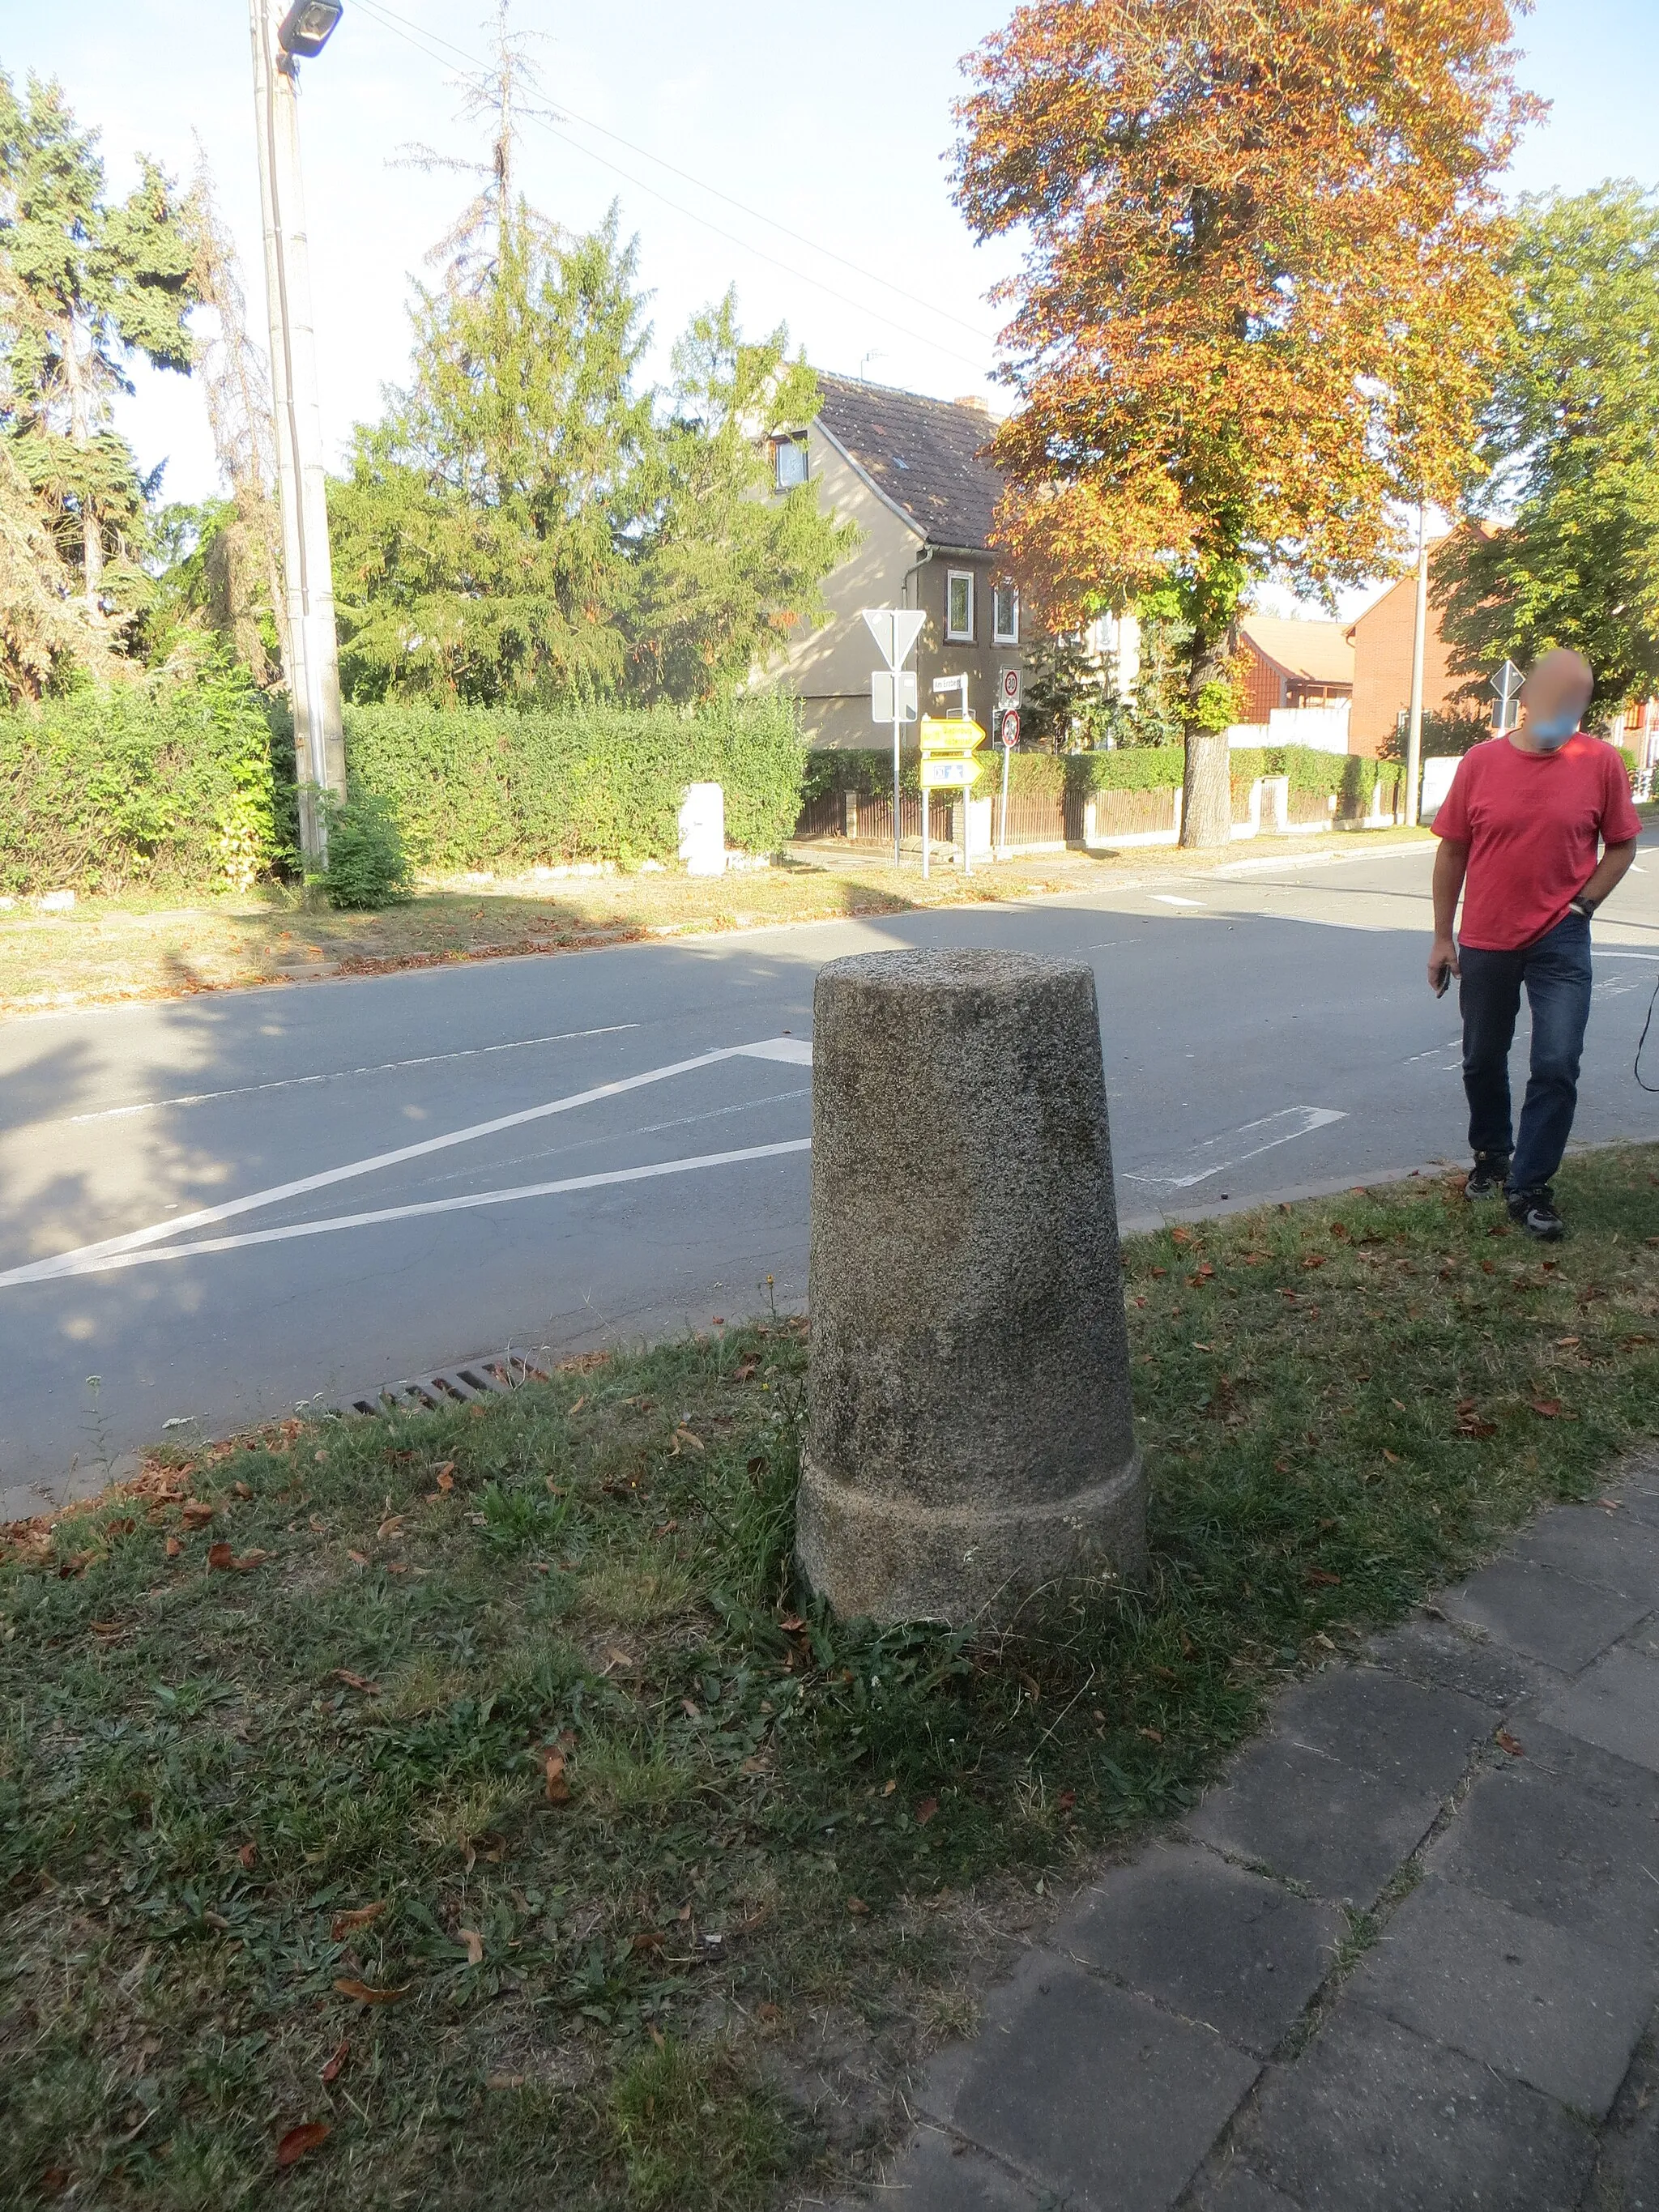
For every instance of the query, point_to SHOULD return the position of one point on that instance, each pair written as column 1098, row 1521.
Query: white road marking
column 1306, row 1118
column 107, row 1262
column 339, row 1074
column 791, row 1049
column 1314, row 859
column 1617, row 952
column 1169, row 898
column 1435, row 1052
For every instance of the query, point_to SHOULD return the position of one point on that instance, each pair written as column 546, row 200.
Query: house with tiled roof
column 912, row 472
column 1287, row 662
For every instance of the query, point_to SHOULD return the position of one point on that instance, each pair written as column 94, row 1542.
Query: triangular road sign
column 895, row 630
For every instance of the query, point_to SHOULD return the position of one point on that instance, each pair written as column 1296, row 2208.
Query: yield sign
column 895, row 630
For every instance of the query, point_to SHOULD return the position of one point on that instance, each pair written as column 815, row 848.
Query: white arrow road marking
column 339, row 1074
column 107, row 1262
column 794, row 1050
column 1304, row 1119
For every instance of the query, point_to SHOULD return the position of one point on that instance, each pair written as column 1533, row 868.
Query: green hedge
column 478, row 787
column 1127, row 767
column 160, row 784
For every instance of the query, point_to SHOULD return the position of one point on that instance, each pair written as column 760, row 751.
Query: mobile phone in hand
column 1443, row 982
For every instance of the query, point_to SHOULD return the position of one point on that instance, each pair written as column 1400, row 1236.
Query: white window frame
column 999, row 634
column 795, row 445
column 952, row 578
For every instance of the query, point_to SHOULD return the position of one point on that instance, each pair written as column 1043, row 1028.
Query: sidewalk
column 1403, row 1958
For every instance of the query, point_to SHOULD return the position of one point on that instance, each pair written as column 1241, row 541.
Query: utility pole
column 1414, row 722
column 308, row 577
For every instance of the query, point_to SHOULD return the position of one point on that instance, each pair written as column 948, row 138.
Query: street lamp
column 308, row 574
column 307, row 27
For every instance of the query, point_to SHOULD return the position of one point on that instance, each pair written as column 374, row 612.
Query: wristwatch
column 1582, row 905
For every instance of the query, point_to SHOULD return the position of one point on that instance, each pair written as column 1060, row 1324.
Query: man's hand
column 1442, row 965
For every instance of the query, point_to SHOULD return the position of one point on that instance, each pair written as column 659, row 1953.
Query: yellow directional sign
column 951, row 738
column 955, row 774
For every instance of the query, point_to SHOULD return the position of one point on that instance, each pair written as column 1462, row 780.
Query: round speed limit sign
column 1011, row 728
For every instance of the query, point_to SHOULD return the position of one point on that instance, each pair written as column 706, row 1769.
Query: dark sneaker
column 1534, row 1210
column 1488, row 1175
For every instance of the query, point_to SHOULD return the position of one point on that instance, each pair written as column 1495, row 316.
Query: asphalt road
column 221, row 1207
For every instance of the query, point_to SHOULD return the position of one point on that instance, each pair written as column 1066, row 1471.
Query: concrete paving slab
column 1207, row 1939
column 1413, row 1737
column 1374, row 2119
column 937, row 2173
column 1238, row 2189
column 1552, row 1850
column 1095, row 2094
column 1451, row 1657
column 1615, row 1704
column 1595, row 1545
column 1637, row 1490
column 1315, row 1819
column 1538, row 2003
column 1543, row 1613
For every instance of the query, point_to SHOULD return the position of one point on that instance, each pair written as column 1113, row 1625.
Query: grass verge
column 468, row 1808
column 103, row 950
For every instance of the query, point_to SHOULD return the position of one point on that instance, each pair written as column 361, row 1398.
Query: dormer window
column 788, row 463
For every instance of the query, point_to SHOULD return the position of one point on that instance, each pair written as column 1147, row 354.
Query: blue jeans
column 1556, row 971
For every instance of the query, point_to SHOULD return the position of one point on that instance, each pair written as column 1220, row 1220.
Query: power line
column 415, row 35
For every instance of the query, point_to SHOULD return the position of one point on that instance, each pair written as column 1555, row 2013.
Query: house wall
column 829, row 669
column 1382, row 668
column 1262, row 684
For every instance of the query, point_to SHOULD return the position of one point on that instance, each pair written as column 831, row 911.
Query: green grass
column 647, row 1833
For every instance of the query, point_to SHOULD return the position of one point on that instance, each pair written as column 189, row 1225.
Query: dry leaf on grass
column 1547, row 1409
column 856, row 1904
column 197, row 1512
column 926, row 1810
column 341, row 2053
column 557, row 1789
column 297, row 2141
column 344, row 1922
column 245, row 1857
column 174, row 1547
column 363, row 1994
column 218, row 1558
column 474, row 1943
column 356, row 1682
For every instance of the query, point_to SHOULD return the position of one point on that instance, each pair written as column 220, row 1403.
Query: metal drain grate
column 476, row 1382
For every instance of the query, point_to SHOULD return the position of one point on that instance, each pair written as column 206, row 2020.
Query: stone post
column 971, row 1438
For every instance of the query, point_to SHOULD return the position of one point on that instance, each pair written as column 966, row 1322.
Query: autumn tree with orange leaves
column 1259, row 302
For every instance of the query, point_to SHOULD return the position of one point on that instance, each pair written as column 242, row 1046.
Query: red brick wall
column 1259, row 682
column 1382, row 668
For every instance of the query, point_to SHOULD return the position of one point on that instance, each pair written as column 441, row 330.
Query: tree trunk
column 91, row 536
column 1206, row 799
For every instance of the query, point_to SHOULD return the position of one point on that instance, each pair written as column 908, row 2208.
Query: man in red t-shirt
column 1536, row 829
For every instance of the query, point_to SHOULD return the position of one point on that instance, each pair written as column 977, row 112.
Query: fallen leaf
column 1181, row 1236
column 656, row 2035
column 216, row 1920
column 297, row 2141
column 358, row 1558
column 1566, row 1343
column 1392, row 1458
column 791, row 1622
column 243, row 1490
column 1152, row 1736
column 474, row 1943
column 1505, row 1742
column 652, row 1942
column 247, row 1563
column 856, row 1904
column 558, row 1789
column 356, row 1682
column 690, row 1710
column 768, row 2013
column 505, row 2080
column 1067, row 1800
column 686, row 1438
column 392, row 1526
column 926, row 1810
column 363, row 1994
column 1325, row 1581
column 890, row 1788
column 360, row 1916
column 197, row 1512
column 342, row 2052
column 246, row 1856
column 174, row 1547
column 444, row 1475
column 219, row 1557
column 1547, row 1409
column 1315, row 1260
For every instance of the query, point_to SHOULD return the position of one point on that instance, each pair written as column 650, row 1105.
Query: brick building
column 1381, row 642
column 1286, row 663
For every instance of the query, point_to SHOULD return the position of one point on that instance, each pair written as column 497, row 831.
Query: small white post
column 1003, row 849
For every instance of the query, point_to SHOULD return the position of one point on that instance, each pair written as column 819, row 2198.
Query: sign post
column 948, row 764
column 1008, row 731
column 895, row 630
column 1507, row 684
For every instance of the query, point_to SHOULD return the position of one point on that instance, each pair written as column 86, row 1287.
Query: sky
column 833, row 127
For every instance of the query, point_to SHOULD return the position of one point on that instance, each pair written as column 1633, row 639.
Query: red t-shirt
column 1531, row 822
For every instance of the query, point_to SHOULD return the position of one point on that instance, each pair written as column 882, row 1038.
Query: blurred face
column 1555, row 697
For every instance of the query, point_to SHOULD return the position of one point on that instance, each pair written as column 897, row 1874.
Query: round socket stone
column 970, row 1436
